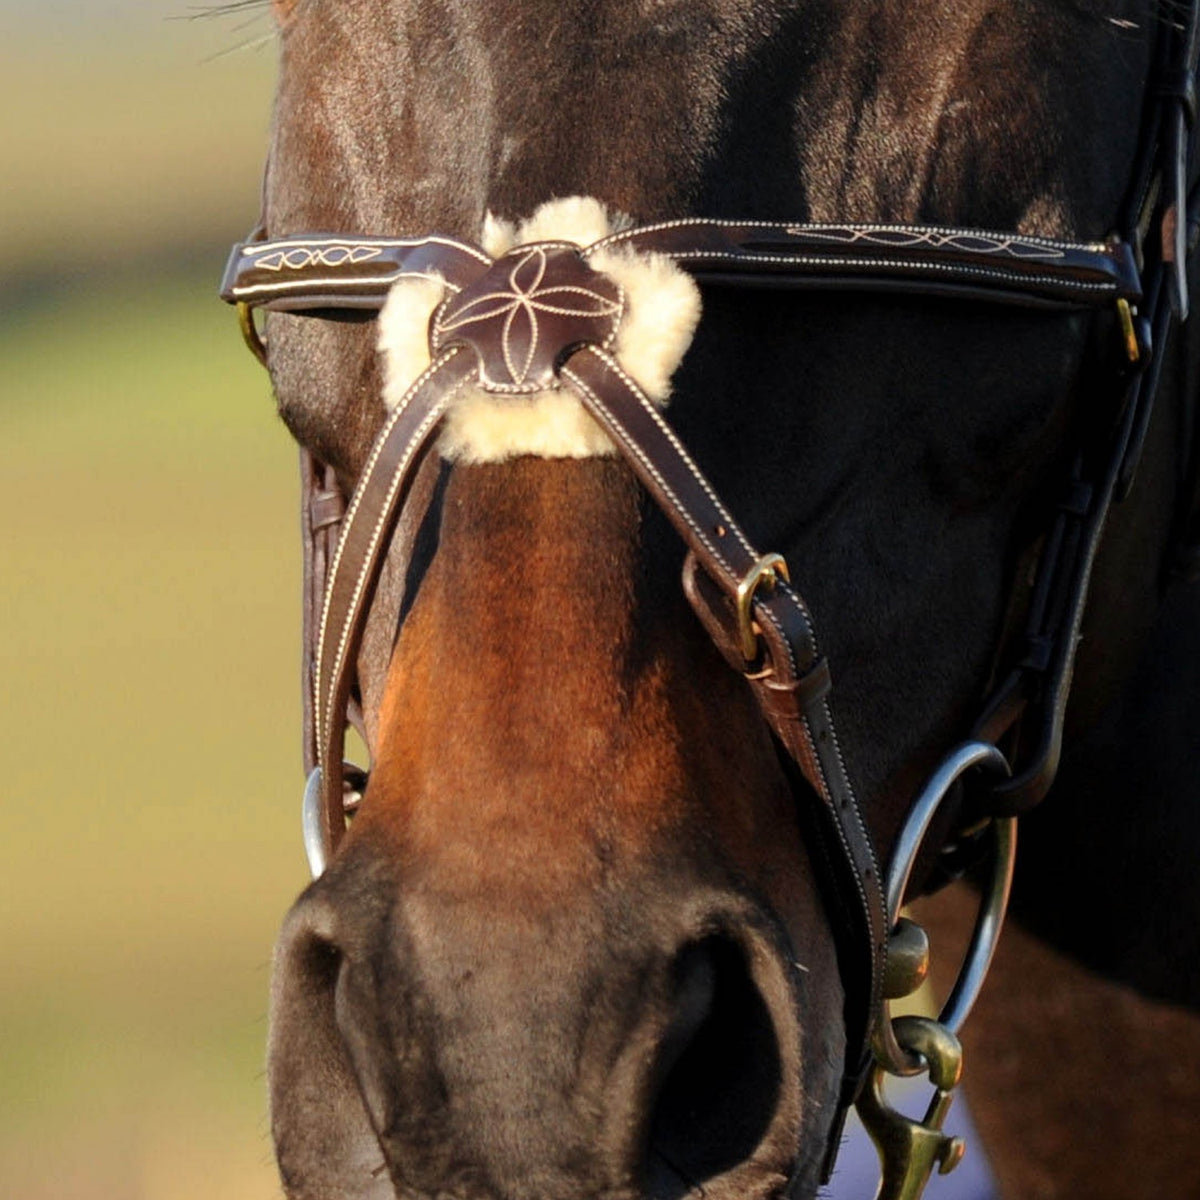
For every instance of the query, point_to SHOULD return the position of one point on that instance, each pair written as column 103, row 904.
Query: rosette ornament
column 553, row 286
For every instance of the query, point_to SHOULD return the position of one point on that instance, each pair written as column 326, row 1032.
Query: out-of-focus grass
column 149, row 571
column 148, row 577
column 128, row 132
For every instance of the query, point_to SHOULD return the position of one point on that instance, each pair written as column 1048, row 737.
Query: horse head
column 576, row 941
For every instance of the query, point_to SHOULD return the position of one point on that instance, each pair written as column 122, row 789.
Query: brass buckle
column 766, row 571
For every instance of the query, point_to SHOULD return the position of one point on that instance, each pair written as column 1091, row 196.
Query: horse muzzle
column 430, row 1040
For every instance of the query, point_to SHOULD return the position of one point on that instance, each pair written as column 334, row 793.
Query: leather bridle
column 754, row 615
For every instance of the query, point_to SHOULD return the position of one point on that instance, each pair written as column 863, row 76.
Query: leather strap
column 1158, row 219
column 316, row 271
column 321, row 509
column 918, row 259
column 354, row 571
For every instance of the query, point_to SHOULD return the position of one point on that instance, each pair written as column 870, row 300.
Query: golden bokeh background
column 149, row 583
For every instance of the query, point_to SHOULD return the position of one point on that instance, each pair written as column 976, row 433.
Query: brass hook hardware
column 908, row 1149
column 903, row 1046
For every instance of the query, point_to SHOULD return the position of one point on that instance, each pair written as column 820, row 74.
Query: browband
column 316, row 271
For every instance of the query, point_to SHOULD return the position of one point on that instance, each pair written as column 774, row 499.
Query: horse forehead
column 639, row 101
column 972, row 113
column 580, row 97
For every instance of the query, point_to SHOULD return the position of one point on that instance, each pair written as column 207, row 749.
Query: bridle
column 743, row 598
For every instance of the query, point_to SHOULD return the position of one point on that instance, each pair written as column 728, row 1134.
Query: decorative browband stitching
column 313, row 272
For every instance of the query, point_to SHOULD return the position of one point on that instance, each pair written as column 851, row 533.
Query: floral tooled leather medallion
column 525, row 314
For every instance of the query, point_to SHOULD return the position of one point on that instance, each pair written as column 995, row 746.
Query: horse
column 617, row 911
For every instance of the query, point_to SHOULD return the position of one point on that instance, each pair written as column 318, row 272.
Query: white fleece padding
column 499, row 235
column 662, row 311
column 662, row 308
column 404, row 332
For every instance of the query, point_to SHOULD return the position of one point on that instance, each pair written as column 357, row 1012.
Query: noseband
column 743, row 597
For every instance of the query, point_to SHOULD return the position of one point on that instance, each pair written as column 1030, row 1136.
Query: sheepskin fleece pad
column 662, row 308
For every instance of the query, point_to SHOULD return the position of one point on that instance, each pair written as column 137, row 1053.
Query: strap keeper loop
column 325, row 508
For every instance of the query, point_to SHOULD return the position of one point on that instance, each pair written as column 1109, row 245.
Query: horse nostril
column 309, row 955
column 324, row 1138
column 317, row 963
column 721, row 1072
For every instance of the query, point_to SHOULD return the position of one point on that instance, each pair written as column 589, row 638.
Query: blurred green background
column 149, row 576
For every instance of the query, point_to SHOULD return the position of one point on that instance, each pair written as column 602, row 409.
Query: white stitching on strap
column 931, row 268
column 730, row 524
column 794, row 229
column 701, row 534
column 844, row 839
column 657, row 417
column 254, row 249
column 762, row 611
column 434, row 415
column 336, row 283
column 837, row 749
column 440, row 404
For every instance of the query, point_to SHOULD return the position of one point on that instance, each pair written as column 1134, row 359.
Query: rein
column 744, row 598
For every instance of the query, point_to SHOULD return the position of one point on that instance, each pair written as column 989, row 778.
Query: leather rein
column 744, row 599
